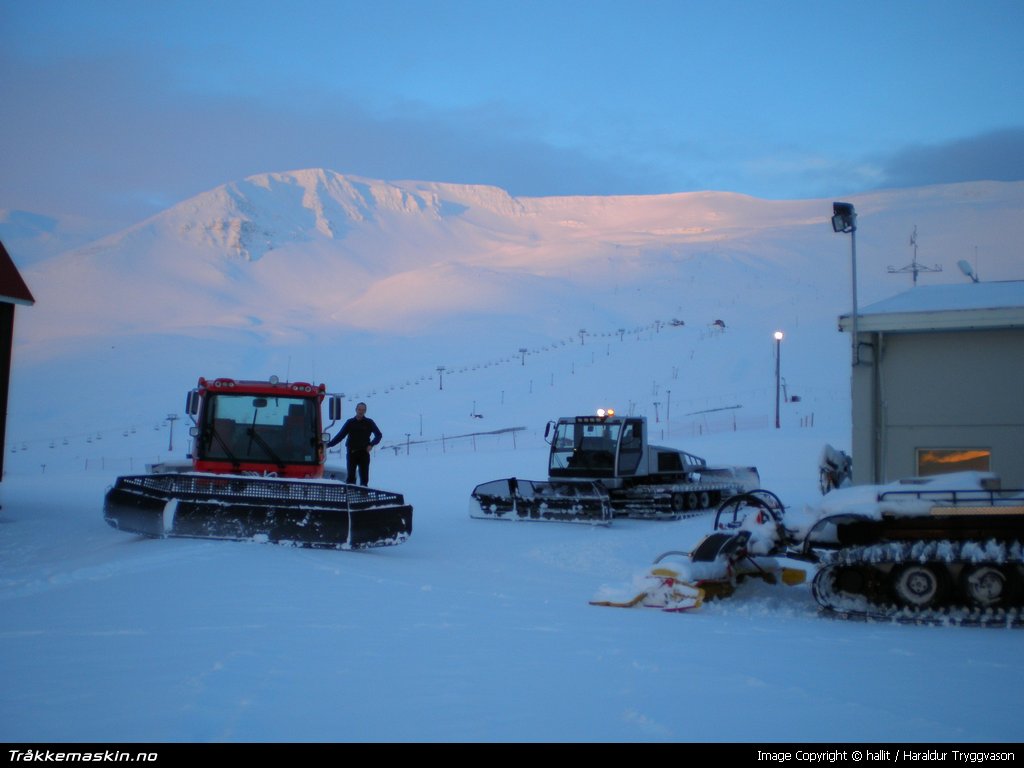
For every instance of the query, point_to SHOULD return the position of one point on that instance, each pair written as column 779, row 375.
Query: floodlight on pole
column 844, row 221
column 778, row 364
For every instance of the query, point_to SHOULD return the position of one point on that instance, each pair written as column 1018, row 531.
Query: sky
column 115, row 110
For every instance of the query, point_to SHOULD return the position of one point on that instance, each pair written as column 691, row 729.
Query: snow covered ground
column 473, row 630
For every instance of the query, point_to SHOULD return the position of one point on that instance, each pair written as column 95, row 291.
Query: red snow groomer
column 256, row 471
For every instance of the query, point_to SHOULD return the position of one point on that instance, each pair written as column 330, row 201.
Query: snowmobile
column 256, row 470
column 601, row 467
column 941, row 549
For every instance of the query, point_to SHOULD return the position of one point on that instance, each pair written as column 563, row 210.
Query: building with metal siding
column 938, row 383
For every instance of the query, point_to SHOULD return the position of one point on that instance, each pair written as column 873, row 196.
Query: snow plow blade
column 303, row 512
column 569, row 501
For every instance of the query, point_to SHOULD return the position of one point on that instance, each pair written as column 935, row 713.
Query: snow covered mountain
column 315, row 274
column 317, row 253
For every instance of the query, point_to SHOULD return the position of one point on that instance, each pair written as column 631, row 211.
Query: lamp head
column 844, row 218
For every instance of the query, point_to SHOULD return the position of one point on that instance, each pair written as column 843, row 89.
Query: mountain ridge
column 346, row 252
column 423, row 275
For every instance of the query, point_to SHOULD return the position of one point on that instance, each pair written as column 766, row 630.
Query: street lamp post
column 778, row 362
column 844, row 220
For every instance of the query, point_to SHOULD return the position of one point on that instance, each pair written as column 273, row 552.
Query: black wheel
column 986, row 586
column 705, row 500
column 851, row 579
column 678, row 502
column 692, row 501
column 918, row 586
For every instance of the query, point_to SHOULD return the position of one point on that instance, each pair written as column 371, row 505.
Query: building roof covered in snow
column 945, row 307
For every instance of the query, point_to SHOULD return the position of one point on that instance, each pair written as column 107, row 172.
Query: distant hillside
column 373, row 285
column 316, row 252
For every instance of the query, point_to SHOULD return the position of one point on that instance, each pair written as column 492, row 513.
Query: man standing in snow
column 362, row 434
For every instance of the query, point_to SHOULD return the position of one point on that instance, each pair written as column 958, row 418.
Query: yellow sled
column 666, row 591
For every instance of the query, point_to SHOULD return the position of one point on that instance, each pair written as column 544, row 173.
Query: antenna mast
column 914, row 267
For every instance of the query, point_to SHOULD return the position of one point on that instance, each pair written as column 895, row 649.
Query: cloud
column 120, row 136
column 993, row 156
column 116, row 138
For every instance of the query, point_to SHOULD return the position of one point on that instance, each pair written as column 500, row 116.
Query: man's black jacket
column 360, row 433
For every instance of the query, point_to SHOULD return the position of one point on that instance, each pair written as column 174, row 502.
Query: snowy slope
column 368, row 284
column 321, row 253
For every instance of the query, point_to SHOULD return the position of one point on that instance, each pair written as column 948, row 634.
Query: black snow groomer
column 256, row 472
column 602, row 467
column 566, row 501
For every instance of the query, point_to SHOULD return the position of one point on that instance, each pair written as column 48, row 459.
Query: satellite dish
column 966, row 268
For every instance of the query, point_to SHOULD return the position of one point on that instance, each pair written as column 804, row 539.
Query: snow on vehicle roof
column 911, row 496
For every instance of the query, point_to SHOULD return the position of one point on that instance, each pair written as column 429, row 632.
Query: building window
column 941, row 461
